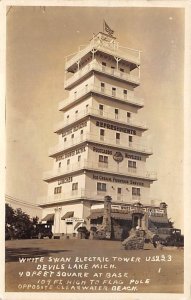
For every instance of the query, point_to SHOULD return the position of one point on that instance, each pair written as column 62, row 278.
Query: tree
column 23, row 224
column 9, row 222
column 18, row 224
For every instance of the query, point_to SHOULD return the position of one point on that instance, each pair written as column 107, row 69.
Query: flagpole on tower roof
column 107, row 29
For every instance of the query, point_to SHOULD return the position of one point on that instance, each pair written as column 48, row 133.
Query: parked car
column 41, row 231
column 170, row 237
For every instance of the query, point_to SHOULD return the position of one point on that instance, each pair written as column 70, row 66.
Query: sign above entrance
column 80, row 220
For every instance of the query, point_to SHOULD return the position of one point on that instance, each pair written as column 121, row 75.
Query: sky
column 38, row 40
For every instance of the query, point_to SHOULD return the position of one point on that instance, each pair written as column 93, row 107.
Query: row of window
column 112, row 67
column 101, row 187
column 58, row 190
column 102, row 135
column 102, row 85
column 116, row 110
column 103, row 159
column 101, row 110
column 113, row 90
column 117, row 136
column 76, row 112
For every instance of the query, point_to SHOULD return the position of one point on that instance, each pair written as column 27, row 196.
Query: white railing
column 124, row 199
column 102, row 114
column 125, row 54
column 118, row 95
column 86, row 194
column 106, row 70
column 109, row 142
column 91, row 165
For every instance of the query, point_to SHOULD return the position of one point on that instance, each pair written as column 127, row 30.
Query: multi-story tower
column 101, row 149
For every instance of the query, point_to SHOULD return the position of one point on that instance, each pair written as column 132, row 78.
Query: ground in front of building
column 91, row 266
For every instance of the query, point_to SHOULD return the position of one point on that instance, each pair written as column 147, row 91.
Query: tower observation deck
column 101, row 149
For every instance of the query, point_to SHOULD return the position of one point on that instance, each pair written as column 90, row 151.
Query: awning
column 49, row 217
column 95, row 215
column 77, row 225
column 162, row 219
column 121, row 216
column 67, row 215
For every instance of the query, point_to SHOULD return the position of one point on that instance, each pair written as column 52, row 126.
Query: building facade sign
column 118, row 157
column 131, row 156
column 71, row 153
column 71, row 220
column 115, row 127
column 118, row 180
column 152, row 211
column 65, row 180
column 73, row 129
column 110, row 152
column 102, row 151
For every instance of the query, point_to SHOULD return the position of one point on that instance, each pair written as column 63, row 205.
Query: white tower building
column 101, row 148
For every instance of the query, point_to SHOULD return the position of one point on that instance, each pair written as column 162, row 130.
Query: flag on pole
column 107, row 29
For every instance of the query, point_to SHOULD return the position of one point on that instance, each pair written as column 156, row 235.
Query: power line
column 16, row 200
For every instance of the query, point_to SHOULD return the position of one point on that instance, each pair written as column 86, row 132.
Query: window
column 132, row 164
column 79, row 158
column 119, row 190
column 103, row 159
column 101, row 109
column 68, row 116
column 57, row 190
column 101, row 187
column 136, row 191
column 102, row 87
column 113, row 91
column 125, row 94
column 65, row 139
column 86, row 87
column 81, row 132
column 130, row 138
column 75, row 95
column 72, row 136
column 103, row 66
column 128, row 115
column 76, row 112
column 69, row 223
column 116, row 113
column 102, row 132
column 117, row 137
column 68, row 162
column 87, row 107
column 75, row 186
column 112, row 70
column 121, row 70
column 59, row 165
